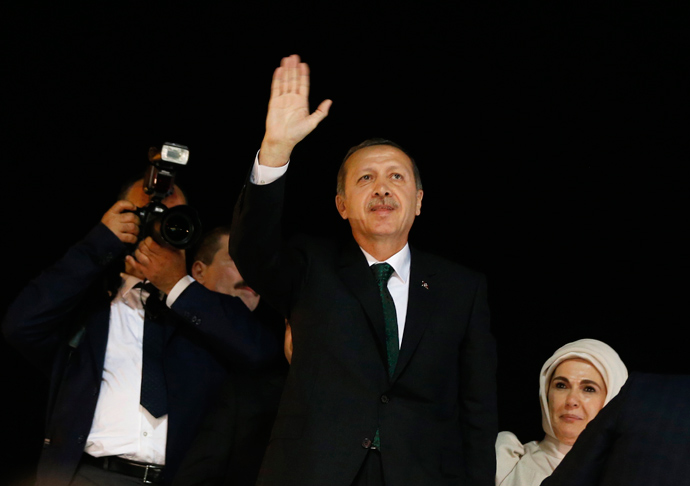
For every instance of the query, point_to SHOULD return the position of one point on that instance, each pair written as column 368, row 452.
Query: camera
column 180, row 226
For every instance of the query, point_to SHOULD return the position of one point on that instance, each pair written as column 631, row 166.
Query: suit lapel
column 355, row 274
column 420, row 309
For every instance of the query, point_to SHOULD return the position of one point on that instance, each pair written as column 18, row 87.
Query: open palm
column 289, row 120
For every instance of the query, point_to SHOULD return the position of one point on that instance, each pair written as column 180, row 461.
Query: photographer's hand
column 288, row 120
column 124, row 224
column 163, row 266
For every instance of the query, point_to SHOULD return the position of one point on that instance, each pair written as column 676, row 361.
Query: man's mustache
column 382, row 201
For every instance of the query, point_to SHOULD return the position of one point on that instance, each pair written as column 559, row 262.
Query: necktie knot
column 382, row 272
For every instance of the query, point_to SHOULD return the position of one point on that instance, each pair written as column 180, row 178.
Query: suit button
column 366, row 443
column 81, row 439
column 385, row 399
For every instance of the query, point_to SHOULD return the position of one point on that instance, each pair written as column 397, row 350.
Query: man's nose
column 382, row 189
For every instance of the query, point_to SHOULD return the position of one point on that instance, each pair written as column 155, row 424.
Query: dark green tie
column 383, row 272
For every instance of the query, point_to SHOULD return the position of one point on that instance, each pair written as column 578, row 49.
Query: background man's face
column 381, row 199
column 222, row 276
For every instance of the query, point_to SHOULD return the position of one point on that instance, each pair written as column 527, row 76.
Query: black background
column 552, row 140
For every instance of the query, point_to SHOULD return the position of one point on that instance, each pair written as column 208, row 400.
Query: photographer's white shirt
column 121, row 426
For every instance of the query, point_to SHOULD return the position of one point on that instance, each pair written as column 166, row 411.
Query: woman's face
column 576, row 394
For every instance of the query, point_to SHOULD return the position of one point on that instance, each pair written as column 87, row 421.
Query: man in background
column 232, row 439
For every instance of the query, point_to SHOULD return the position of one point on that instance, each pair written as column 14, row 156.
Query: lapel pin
column 425, row 285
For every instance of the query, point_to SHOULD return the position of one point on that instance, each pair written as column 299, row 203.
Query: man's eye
column 365, row 177
column 397, row 176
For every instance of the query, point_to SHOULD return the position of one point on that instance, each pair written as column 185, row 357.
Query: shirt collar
column 128, row 283
column 400, row 262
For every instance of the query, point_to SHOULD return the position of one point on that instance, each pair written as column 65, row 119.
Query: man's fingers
column 129, row 228
column 287, row 78
column 140, row 256
column 294, row 78
column 276, row 83
column 303, row 87
column 149, row 247
column 128, row 238
column 122, row 206
column 321, row 111
column 138, row 267
column 128, row 218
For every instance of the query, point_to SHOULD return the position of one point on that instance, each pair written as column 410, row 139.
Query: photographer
column 132, row 366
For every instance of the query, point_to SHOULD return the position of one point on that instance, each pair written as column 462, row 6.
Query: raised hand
column 122, row 222
column 288, row 120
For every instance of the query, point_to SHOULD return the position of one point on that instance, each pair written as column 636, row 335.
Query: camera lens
column 180, row 227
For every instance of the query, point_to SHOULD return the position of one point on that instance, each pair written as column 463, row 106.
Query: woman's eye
column 590, row 389
column 560, row 385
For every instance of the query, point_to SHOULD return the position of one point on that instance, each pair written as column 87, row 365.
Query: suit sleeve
column 584, row 464
column 477, row 394
column 257, row 246
column 43, row 315
column 230, row 327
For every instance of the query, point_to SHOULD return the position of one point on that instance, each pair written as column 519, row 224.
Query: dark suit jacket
column 60, row 323
column 232, row 439
column 642, row 437
column 436, row 415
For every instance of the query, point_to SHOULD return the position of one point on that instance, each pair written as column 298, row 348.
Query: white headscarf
column 602, row 357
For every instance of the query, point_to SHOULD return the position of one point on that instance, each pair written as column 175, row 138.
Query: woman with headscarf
column 574, row 384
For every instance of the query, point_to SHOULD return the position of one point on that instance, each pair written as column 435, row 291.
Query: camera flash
column 177, row 154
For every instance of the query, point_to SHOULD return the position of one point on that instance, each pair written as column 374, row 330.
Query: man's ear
column 199, row 271
column 340, row 206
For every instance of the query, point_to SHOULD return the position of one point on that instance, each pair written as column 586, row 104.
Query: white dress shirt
column 121, row 426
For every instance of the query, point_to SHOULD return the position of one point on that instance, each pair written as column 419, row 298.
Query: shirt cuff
column 263, row 174
column 179, row 287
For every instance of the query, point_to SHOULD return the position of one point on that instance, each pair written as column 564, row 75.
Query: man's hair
column 209, row 245
column 129, row 183
column 370, row 142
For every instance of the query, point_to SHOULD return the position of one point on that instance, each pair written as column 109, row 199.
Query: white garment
column 121, row 426
column 525, row 465
column 531, row 463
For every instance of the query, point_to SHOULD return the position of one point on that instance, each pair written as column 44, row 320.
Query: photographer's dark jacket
column 60, row 323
